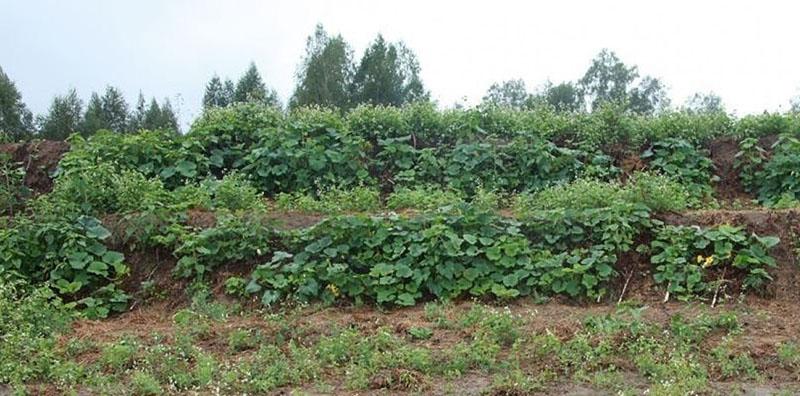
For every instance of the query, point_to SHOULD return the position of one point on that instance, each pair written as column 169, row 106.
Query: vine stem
column 719, row 286
column 625, row 287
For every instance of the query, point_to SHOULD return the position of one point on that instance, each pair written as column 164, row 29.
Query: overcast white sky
column 748, row 52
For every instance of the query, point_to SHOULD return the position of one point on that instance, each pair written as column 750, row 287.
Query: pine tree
column 228, row 91
column 115, row 110
column 64, row 117
column 215, row 95
column 137, row 117
column 169, row 120
column 93, row 119
column 152, row 117
column 326, row 73
column 16, row 120
column 251, row 88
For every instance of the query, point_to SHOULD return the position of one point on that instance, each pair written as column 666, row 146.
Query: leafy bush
column 422, row 198
column 681, row 160
column 449, row 253
column 12, row 189
column 225, row 135
column 391, row 260
column 334, row 200
column 30, row 319
column 590, row 241
column 525, row 164
column 580, row 194
column 687, row 258
column 100, row 189
column 232, row 192
column 309, row 154
column 772, row 177
column 657, row 192
column 233, row 238
column 377, row 122
column 172, row 158
column 69, row 252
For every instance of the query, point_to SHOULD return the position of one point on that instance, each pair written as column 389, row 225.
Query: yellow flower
column 709, row 262
column 333, row 289
column 699, row 258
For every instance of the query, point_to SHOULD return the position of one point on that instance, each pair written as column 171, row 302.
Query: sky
column 745, row 51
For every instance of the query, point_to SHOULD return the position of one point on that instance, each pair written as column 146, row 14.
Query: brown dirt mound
column 723, row 154
column 39, row 159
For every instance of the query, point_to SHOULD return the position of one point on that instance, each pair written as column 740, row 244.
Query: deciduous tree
column 64, row 117
column 388, row 74
column 326, row 73
column 15, row 119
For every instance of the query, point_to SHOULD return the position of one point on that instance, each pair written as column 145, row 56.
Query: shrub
column 657, row 192
column 307, row 156
column 772, row 177
column 682, row 161
column 12, row 189
column 156, row 154
column 30, row 319
column 391, row 260
column 226, row 134
column 234, row 238
column 422, row 198
column 687, row 258
column 334, row 200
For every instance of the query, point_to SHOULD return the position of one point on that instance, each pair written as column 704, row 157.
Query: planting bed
column 315, row 253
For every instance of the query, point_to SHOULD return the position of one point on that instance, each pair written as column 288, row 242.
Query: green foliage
column 226, row 134
column 311, row 152
column 773, row 177
column 422, row 198
column 766, row 124
column 12, row 188
column 449, row 253
column 63, row 118
column 155, row 154
column 527, row 163
column 15, row 119
column 233, row 238
column 30, row 319
column 657, row 192
column 392, row 260
column 333, row 201
column 679, row 159
column 692, row 260
column 145, row 384
column 590, row 242
column 68, row 251
column 325, row 75
column 232, row 192
column 388, row 74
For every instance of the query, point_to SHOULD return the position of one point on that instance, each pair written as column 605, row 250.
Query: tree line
column 387, row 73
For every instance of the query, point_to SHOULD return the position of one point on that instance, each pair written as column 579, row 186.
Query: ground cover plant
column 256, row 218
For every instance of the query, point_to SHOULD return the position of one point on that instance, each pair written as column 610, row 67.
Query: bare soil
column 39, row 159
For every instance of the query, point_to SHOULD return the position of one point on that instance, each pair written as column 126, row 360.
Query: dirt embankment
column 39, row 159
column 723, row 154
